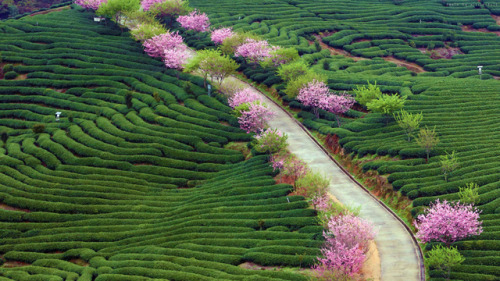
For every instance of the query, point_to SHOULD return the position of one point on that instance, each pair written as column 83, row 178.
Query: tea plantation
column 134, row 181
column 396, row 44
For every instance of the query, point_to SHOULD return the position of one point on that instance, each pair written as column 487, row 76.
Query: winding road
column 400, row 255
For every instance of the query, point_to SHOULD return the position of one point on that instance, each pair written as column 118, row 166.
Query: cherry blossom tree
column 277, row 162
column 340, row 261
column 346, row 242
column 253, row 50
column 90, row 4
column 351, row 231
column 448, row 222
column 339, row 104
column 157, row 45
column 315, row 95
column 175, row 57
column 318, row 96
column 219, row 35
column 195, row 21
column 253, row 117
column 246, row 95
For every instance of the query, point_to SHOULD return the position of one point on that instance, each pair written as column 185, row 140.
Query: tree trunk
column 338, row 120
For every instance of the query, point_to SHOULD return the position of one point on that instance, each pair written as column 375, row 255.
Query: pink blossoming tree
column 346, row 242
column 351, row 231
column 339, row 260
column 253, row 50
column 90, row 4
column 339, row 104
column 157, row 45
column 195, row 21
column 318, row 96
column 243, row 96
column 315, row 95
column 219, row 35
column 254, row 116
column 448, row 222
column 176, row 57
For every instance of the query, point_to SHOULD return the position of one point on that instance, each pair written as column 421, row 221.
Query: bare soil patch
column 10, row 208
column 11, row 264
column 21, row 77
column 79, row 262
column 442, row 53
column 496, row 18
column 469, row 28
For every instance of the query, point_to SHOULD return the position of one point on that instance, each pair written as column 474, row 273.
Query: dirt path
column 51, row 10
column 335, row 51
column 409, row 65
column 469, row 28
column 400, row 256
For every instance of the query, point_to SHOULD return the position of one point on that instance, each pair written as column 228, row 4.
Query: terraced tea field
column 427, row 51
column 134, row 181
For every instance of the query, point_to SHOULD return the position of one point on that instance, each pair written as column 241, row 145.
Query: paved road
column 398, row 253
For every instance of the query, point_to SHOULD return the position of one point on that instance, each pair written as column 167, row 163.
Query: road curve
column 400, row 255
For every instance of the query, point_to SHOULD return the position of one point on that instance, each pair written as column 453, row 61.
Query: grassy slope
column 463, row 108
column 96, row 197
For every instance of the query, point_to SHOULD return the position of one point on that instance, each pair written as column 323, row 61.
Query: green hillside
column 133, row 182
column 397, row 44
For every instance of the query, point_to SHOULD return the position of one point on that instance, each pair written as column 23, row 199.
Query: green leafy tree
column 168, row 10
column 408, row 122
column 449, row 163
column 291, row 71
column 213, row 64
column 280, row 56
column 468, row 194
column 312, row 185
column 365, row 94
column 116, row 9
column 427, row 139
column 147, row 31
column 386, row 104
column 271, row 141
column 443, row 258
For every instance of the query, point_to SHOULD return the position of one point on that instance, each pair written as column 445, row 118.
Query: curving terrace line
column 400, row 255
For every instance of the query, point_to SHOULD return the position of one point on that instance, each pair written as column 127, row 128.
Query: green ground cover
column 449, row 92
column 100, row 194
